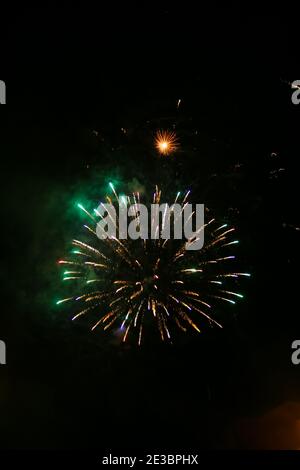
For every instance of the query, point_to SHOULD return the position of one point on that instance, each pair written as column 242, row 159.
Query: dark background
column 75, row 76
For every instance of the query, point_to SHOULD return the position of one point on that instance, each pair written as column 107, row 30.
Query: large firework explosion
column 129, row 286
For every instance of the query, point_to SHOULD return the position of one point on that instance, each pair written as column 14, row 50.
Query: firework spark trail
column 152, row 282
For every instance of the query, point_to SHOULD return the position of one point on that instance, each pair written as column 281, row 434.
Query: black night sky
column 76, row 77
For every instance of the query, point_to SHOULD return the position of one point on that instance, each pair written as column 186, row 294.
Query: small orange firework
column 166, row 142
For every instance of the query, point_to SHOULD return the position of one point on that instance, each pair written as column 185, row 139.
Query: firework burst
column 129, row 285
column 166, row 142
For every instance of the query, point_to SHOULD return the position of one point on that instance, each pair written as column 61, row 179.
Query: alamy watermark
column 296, row 354
column 162, row 221
column 2, row 92
column 2, row 353
column 296, row 94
